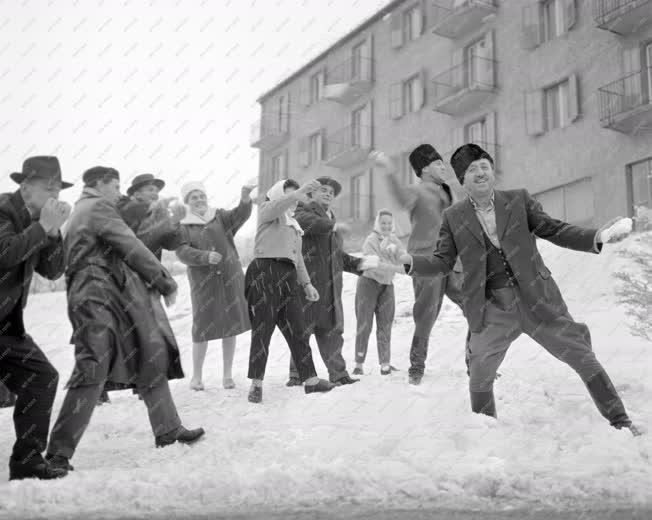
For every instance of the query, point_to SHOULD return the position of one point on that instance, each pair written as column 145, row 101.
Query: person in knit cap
column 374, row 295
column 219, row 307
column 425, row 202
column 508, row 289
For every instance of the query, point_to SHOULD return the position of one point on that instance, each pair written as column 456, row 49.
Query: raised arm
column 558, row 232
column 51, row 260
column 17, row 247
column 270, row 210
column 312, row 223
column 110, row 227
column 236, row 217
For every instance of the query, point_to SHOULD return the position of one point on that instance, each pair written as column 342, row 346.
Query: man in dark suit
column 30, row 240
column 508, row 289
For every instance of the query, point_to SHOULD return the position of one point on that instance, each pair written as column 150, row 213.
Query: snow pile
column 378, row 441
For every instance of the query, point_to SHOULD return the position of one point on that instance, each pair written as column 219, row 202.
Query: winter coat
column 114, row 315
column 372, row 246
column 325, row 262
column 520, row 219
column 24, row 248
column 219, row 307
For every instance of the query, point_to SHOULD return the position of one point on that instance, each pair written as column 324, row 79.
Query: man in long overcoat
column 117, row 339
column 325, row 261
column 30, row 240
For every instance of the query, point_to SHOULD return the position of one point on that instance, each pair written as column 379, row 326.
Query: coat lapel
column 503, row 213
column 470, row 220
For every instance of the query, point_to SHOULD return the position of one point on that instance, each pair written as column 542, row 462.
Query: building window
column 356, row 197
column 412, row 23
column 478, row 68
column 553, row 19
column 640, row 184
column 277, row 169
column 357, row 126
column 571, row 203
column 556, row 106
column 315, row 148
column 356, row 61
column 412, row 98
column 281, row 113
column 476, row 132
column 316, row 87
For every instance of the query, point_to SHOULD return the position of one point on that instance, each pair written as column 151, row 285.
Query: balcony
column 350, row 80
column 623, row 17
column 626, row 104
column 270, row 132
column 349, row 146
column 459, row 19
column 465, row 87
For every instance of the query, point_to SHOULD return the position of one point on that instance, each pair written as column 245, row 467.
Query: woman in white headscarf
column 273, row 283
column 219, row 308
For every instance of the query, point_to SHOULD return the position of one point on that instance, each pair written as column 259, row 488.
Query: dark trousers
column 428, row 298
column 26, row 371
column 373, row 298
column 78, row 406
column 507, row 317
column 273, row 300
column 330, row 341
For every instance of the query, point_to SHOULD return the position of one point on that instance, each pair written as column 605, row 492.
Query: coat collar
column 319, row 209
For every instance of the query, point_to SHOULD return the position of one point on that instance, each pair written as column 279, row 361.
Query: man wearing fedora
column 508, row 289
column 149, row 219
column 325, row 261
column 30, row 240
column 425, row 202
column 116, row 333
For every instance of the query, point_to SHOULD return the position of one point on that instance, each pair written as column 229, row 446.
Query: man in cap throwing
column 508, row 289
column 426, row 202
column 30, row 240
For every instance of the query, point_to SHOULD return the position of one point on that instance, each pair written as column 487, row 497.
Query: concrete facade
column 579, row 170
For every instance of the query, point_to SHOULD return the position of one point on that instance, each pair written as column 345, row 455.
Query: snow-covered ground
column 378, row 444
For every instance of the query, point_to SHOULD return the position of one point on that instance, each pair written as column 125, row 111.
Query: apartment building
column 559, row 91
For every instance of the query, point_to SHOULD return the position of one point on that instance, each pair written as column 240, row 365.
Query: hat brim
column 337, row 187
column 160, row 184
column 18, row 177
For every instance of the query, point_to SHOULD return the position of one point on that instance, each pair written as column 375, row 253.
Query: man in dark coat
column 508, row 289
column 325, row 261
column 115, row 331
column 30, row 240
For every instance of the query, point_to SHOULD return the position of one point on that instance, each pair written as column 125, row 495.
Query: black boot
column 59, row 462
column 104, row 398
column 294, row 381
column 255, row 394
column 483, row 402
column 33, row 467
column 606, row 398
column 346, row 380
column 179, row 435
column 321, row 386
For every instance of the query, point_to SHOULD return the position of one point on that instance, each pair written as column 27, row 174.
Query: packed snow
column 380, row 441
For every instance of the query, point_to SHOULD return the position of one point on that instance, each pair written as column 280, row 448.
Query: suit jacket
column 519, row 220
column 24, row 248
column 325, row 262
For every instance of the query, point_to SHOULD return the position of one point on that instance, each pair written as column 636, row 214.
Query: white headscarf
column 377, row 221
column 275, row 193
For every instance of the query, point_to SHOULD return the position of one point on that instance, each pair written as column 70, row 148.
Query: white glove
column 618, row 229
column 369, row 262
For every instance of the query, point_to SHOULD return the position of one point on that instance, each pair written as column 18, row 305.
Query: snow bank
column 381, row 440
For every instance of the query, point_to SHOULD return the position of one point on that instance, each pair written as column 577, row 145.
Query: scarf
column 193, row 218
column 275, row 193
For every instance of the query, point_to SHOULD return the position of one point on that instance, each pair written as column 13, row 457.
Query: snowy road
column 365, row 451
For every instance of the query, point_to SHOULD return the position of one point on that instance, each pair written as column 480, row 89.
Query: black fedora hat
column 329, row 181
column 142, row 180
column 40, row 167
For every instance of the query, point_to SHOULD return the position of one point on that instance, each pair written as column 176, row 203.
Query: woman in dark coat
column 215, row 274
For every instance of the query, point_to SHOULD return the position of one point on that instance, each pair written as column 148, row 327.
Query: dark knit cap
column 100, row 172
column 422, row 156
column 464, row 156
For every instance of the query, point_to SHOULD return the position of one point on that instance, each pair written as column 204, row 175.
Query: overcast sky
column 166, row 87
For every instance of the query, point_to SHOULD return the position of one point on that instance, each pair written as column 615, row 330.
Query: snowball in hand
column 621, row 227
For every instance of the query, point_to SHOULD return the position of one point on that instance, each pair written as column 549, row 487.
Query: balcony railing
column 626, row 104
column 270, row 132
column 622, row 16
column 349, row 80
column 348, row 146
column 464, row 87
column 459, row 19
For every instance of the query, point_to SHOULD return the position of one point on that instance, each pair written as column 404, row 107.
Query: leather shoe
column 346, row 380
column 180, row 435
column 37, row 467
column 321, row 386
column 255, row 394
column 59, row 462
column 293, row 381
